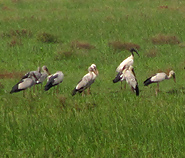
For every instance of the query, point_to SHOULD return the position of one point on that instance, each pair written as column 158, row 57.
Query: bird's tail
column 74, row 92
column 117, row 78
column 147, row 82
column 49, row 84
column 15, row 89
column 137, row 90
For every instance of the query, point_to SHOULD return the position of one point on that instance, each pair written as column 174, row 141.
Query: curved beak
column 137, row 53
column 133, row 50
column 96, row 71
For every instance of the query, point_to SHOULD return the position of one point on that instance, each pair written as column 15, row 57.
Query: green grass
column 110, row 122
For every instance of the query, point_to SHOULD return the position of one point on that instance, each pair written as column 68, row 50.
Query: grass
column 71, row 35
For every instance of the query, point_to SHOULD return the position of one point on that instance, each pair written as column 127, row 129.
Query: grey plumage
column 43, row 75
column 54, row 80
column 37, row 74
column 24, row 83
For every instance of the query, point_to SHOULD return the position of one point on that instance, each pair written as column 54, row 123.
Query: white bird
column 128, row 74
column 44, row 75
column 158, row 78
column 127, row 62
column 24, row 83
column 87, row 80
column 53, row 80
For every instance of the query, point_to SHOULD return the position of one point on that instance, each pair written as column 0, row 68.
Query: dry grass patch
column 118, row 45
column 151, row 53
column 62, row 101
column 47, row 38
column 9, row 75
column 165, row 39
column 63, row 54
column 17, row 33
column 81, row 45
column 182, row 44
column 15, row 42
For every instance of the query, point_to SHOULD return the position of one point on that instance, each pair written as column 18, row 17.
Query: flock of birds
column 125, row 73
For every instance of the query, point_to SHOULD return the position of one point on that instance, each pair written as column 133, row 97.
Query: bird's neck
column 169, row 76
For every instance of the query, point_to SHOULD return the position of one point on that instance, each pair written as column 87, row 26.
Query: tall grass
column 110, row 122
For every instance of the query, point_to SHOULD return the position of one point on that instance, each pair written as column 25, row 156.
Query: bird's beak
column 96, row 72
column 174, row 78
column 137, row 53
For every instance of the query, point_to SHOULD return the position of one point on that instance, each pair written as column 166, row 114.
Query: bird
column 43, row 75
column 37, row 73
column 54, row 80
column 24, row 83
column 86, row 81
column 129, row 76
column 128, row 61
column 158, row 77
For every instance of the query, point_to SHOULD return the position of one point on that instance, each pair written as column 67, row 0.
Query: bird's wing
column 119, row 77
column 84, row 81
column 128, row 61
column 130, row 79
column 25, row 83
column 58, row 77
column 158, row 77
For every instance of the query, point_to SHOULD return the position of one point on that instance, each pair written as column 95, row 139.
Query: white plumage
column 87, row 80
column 128, row 75
column 127, row 62
column 158, row 78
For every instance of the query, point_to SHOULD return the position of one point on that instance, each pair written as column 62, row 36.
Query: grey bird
column 53, row 80
column 37, row 73
column 87, row 80
column 43, row 75
column 129, row 76
column 158, row 78
column 24, row 83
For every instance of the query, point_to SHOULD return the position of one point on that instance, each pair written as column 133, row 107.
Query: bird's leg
column 88, row 91
column 125, row 85
column 121, row 85
column 157, row 89
column 23, row 93
column 83, row 93
column 57, row 89
column 33, row 88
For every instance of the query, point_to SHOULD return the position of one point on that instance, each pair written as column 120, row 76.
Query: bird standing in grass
column 158, row 78
column 54, row 80
column 86, row 81
column 126, row 63
column 128, row 74
column 25, row 83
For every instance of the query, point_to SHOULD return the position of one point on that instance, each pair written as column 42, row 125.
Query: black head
column 132, row 50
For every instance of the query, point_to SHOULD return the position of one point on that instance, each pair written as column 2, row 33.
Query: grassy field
column 71, row 35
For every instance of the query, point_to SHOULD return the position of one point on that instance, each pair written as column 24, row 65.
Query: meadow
column 70, row 35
